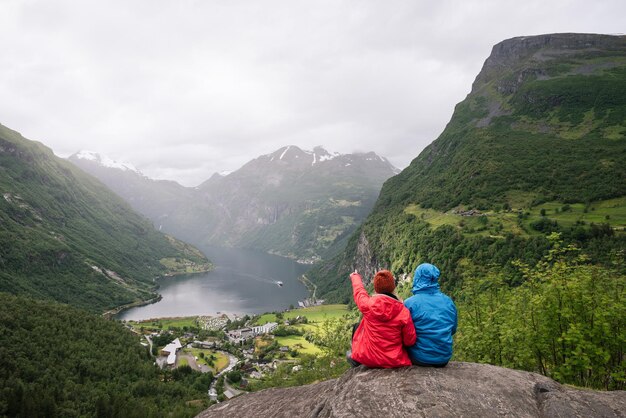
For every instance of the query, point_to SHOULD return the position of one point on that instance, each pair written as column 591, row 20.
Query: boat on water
column 279, row 283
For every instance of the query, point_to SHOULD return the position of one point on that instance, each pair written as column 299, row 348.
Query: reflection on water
column 243, row 281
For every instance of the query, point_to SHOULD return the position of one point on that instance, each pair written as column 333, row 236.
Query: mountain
column 545, row 119
column 292, row 202
column 65, row 236
column 159, row 200
column 538, row 146
column 295, row 203
column 66, row 362
column 460, row 389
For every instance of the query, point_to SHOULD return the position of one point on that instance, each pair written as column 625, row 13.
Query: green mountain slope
column 538, row 146
column 59, row 361
column 292, row 202
column 296, row 203
column 64, row 236
column 545, row 116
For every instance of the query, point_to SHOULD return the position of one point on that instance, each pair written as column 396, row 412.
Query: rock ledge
column 459, row 390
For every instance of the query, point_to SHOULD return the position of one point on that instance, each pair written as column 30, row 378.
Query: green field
column 313, row 313
column 315, row 316
column 165, row 323
column 296, row 342
column 219, row 364
column 611, row 211
column 177, row 265
column 491, row 224
column 496, row 223
column 265, row 318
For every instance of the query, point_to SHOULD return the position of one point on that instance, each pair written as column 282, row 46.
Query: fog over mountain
column 186, row 89
column 292, row 202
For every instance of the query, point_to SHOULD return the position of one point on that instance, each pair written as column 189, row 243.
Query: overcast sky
column 185, row 88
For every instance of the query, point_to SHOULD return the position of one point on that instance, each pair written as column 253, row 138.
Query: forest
column 567, row 320
column 59, row 361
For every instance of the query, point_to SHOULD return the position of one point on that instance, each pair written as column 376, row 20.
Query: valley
column 227, row 346
column 241, row 282
column 65, row 237
column 520, row 202
column 294, row 203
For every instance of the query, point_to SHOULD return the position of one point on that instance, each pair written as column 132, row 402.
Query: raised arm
column 361, row 298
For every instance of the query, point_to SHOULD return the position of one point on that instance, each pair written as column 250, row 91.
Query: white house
column 170, row 351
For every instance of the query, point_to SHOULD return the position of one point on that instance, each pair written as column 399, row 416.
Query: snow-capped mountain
column 103, row 161
column 158, row 200
column 293, row 154
column 292, row 202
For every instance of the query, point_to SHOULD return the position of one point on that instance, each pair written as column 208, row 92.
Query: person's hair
column 384, row 274
column 384, row 282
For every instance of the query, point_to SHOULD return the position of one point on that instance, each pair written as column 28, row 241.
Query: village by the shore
column 237, row 350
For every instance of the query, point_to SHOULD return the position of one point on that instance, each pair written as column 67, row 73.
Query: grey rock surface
column 459, row 390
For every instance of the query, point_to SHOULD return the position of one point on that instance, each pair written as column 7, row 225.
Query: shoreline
column 158, row 281
column 184, row 273
column 230, row 315
column 111, row 313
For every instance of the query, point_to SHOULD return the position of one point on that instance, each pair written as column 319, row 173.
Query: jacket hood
column 385, row 308
column 426, row 278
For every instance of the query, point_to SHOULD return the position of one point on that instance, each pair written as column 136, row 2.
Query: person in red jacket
column 386, row 326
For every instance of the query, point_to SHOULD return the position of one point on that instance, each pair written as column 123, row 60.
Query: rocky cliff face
column 365, row 261
column 460, row 389
column 512, row 53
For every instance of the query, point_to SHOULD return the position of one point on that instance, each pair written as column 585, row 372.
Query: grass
column 265, row 318
column 177, row 265
column 433, row 217
column 260, row 343
column 614, row 132
column 597, row 212
column 315, row 316
column 519, row 199
column 493, row 224
column 319, row 313
column 612, row 211
column 312, row 327
column 219, row 364
column 313, row 313
column 298, row 343
column 165, row 323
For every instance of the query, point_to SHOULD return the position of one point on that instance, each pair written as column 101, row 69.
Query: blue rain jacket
column 434, row 316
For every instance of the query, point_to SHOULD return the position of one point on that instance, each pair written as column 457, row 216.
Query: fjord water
column 243, row 281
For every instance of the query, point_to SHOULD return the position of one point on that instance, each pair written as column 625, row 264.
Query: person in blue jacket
column 435, row 319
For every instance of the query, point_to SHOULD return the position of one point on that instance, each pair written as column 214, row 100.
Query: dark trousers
column 419, row 363
column 351, row 361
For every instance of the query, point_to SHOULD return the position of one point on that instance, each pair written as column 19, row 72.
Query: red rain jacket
column 386, row 327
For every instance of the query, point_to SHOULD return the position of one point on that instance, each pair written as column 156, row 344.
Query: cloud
column 183, row 89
